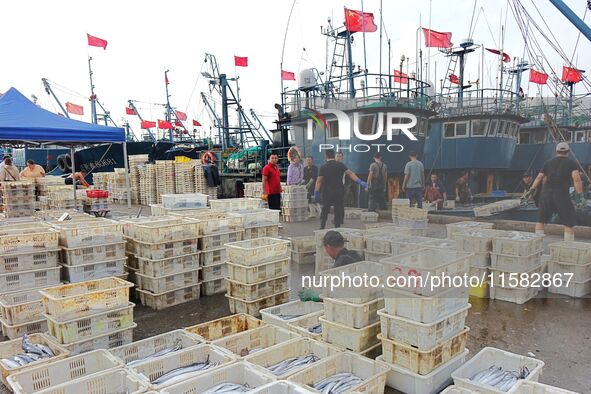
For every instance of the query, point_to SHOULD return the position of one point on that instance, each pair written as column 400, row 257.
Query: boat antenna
column 94, row 117
column 284, row 41
column 168, row 109
column 364, row 48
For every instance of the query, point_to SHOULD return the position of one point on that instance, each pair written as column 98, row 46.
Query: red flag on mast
column 453, row 78
column 166, row 79
column 163, row 124
column 437, row 39
column 400, row 77
column 571, row 74
column 196, row 123
column 146, row 124
column 96, row 42
column 287, row 75
column 74, row 109
column 506, row 57
column 130, row 111
column 240, row 61
column 538, row 77
column 357, row 21
column 181, row 115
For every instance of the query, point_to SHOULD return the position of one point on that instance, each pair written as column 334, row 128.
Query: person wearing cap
column 556, row 177
column 526, row 184
column 334, row 245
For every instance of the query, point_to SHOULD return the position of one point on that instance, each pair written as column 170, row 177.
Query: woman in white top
column 9, row 173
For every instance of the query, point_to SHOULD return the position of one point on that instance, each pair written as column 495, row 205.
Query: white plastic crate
column 225, row 326
column 491, row 356
column 478, row 240
column 161, row 284
column 163, row 231
column 424, row 309
column 355, row 294
column 79, row 299
column 213, row 272
column 295, row 348
column 375, row 257
column 423, row 336
column 350, row 314
column 239, row 373
column 112, row 381
column 106, row 341
column 423, row 264
column 303, row 325
column 303, row 244
column 257, row 273
column 412, row 213
column 254, row 307
column 213, row 256
column 441, row 244
column 28, row 261
column 152, row 369
column 216, row 286
column 257, row 251
column 458, row 227
column 23, row 238
column 372, row 373
column 130, row 224
column 176, row 201
column 218, row 223
column 369, row 217
column 571, row 252
column 232, row 204
column 249, row 342
column 169, row 265
column 413, row 223
column 13, row 347
column 149, row 346
column 355, row 339
column 303, row 258
column 509, row 278
column 516, row 295
column 256, row 217
column 281, row 387
column 262, row 231
column 581, row 272
column 258, row 290
column 21, row 307
column 85, row 254
column 406, row 381
column 86, row 233
column 518, row 243
column 529, row 387
column 574, row 289
column 515, row 263
column 170, row 298
column 295, row 203
column 405, row 244
column 18, row 330
column 81, row 328
column 218, row 240
column 92, row 271
column 292, row 311
column 162, row 250
column 456, row 390
column 18, row 281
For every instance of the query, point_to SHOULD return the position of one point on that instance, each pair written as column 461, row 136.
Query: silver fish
column 45, row 349
column 10, row 363
column 176, row 347
column 228, row 388
column 178, row 373
column 287, row 317
column 338, row 383
column 317, row 329
column 291, row 363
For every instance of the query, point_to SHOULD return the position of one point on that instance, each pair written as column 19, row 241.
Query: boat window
column 333, row 129
column 493, row 128
column 366, row 124
column 524, row 137
column 513, row 130
column 566, row 135
column 502, row 128
column 539, row 138
column 462, row 129
column 418, row 130
column 579, row 136
column 394, row 121
column 425, row 128
column 479, row 127
column 449, row 130
column 589, row 136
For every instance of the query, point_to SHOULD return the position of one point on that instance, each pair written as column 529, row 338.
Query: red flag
column 178, row 123
column 506, row 57
column 570, row 74
column 453, row 78
column 400, row 77
column 75, row 109
column 163, row 124
column 287, row 76
column 96, row 42
column 359, row 21
column 538, row 77
column 240, row 61
column 146, row 124
column 166, row 79
column 437, row 39
column 181, row 115
column 196, row 123
column 130, row 111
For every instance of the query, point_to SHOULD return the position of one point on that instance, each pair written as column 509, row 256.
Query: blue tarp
column 22, row 120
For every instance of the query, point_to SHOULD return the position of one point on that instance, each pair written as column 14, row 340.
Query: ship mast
column 94, row 117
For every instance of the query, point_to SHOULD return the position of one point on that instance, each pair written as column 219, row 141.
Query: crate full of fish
column 229, row 325
column 79, row 299
column 179, row 366
column 291, row 357
column 21, row 307
column 258, row 251
column 92, row 271
column 162, row 250
column 355, row 339
column 175, row 201
column 213, row 272
column 254, row 307
column 476, row 240
column 344, row 372
column 161, row 284
column 351, row 314
column 86, row 233
column 56, row 373
column 28, row 351
column 234, row 378
column 518, row 243
column 423, row 362
column 494, row 371
column 308, row 326
column 348, row 291
column 249, row 342
column 458, row 227
column 106, row 341
column 111, row 381
column 571, row 252
column 214, row 241
column 155, row 347
column 215, row 286
column 166, row 299
column 169, row 265
column 81, row 328
column 27, row 237
column 28, row 261
column 282, row 315
column 257, row 273
column 85, row 254
column 23, row 280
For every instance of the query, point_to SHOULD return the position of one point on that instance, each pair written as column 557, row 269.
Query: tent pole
column 126, row 162
column 73, row 175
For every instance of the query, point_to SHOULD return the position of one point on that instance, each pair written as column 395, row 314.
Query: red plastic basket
column 97, row 193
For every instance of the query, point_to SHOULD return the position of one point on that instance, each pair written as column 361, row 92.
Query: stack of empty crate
column 201, row 185
column 118, row 186
column 29, row 256
column 397, row 203
column 423, row 330
column 350, row 318
column 303, row 249
column 185, row 177
column 62, row 197
column 42, row 184
column 566, row 258
column 257, row 223
column 253, row 189
column 165, row 183
column 166, row 259
column 258, row 274
column 516, row 266
column 96, row 202
column 294, row 203
column 148, row 191
column 90, row 315
column 18, row 198
column 135, row 161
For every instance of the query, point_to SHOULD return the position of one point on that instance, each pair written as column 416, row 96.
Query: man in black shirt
column 310, row 175
column 330, row 179
column 557, row 175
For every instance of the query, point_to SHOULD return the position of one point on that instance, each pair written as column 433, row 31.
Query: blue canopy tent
column 21, row 121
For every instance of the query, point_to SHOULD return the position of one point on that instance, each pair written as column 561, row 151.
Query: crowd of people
column 9, row 172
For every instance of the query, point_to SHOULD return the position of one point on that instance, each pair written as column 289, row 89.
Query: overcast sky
column 48, row 39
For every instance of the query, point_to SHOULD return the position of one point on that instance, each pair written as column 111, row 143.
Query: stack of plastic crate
column 234, row 204
column 96, row 202
column 412, row 217
column 62, row 197
column 350, row 318
column 253, row 189
column 566, row 258
column 90, row 315
column 135, row 161
column 91, row 249
column 258, row 274
column 118, row 186
column 18, row 198
column 516, row 266
column 397, row 203
column 259, row 222
column 167, row 260
column 148, row 191
column 165, row 183
column 201, row 185
column 185, row 176
column 184, row 201
column 29, row 256
column 423, row 330
column 42, row 184
column 385, row 242
column 323, row 261
column 294, row 203
column 303, row 249
column 458, row 227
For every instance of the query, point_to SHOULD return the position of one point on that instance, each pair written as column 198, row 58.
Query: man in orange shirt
column 272, row 183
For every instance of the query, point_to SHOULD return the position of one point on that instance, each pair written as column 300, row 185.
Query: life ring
column 208, row 157
column 61, row 163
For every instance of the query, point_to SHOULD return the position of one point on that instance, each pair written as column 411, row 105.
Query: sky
column 145, row 38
